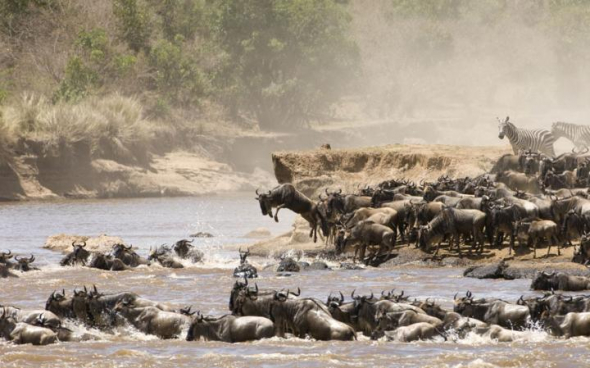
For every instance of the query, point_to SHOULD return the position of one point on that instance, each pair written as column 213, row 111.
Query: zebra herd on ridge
column 542, row 140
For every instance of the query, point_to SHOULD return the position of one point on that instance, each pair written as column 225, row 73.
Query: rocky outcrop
column 63, row 242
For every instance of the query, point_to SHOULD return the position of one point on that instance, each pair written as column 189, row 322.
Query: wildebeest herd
column 531, row 198
column 120, row 258
column 257, row 314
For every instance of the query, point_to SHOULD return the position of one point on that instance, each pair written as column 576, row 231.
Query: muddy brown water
column 148, row 222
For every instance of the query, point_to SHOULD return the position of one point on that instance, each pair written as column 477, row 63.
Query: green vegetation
column 276, row 64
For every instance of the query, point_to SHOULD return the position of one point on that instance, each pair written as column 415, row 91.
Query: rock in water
column 288, row 265
column 491, row 271
column 201, row 234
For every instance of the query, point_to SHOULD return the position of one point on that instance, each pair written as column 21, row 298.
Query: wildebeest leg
column 511, row 243
column 458, row 244
column 535, row 247
column 556, row 241
column 277, row 212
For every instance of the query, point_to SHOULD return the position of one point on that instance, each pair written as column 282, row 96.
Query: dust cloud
column 448, row 68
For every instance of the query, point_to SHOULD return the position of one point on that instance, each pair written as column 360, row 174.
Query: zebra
column 537, row 140
column 578, row 134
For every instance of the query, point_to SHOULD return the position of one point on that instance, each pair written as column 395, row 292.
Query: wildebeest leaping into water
column 286, row 196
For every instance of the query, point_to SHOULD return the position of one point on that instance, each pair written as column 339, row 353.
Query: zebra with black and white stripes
column 536, row 140
column 578, row 134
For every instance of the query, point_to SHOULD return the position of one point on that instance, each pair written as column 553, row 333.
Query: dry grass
column 113, row 126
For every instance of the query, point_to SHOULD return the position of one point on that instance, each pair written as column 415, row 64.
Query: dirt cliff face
column 312, row 171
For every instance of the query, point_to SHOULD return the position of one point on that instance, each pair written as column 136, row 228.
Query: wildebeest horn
column 32, row 259
column 468, row 294
column 17, row 258
column 340, row 191
column 256, row 286
column 352, row 294
column 341, row 297
column 298, row 292
column 329, row 296
column 327, row 193
column 258, row 194
column 95, row 290
column 63, row 292
column 455, row 297
column 52, row 295
column 129, row 247
column 85, row 290
column 83, row 245
column 371, row 295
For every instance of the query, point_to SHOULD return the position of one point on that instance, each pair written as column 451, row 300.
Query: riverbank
column 314, row 171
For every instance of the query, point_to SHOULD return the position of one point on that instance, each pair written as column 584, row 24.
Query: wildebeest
column 519, row 181
column 245, row 269
column 5, row 259
column 307, row 317
column 24, row 264
column 64, row 333
column 79, row 255
column 534, row 230
column 493, row 311
column 365, row 309
column 338, row 203
column 454, row 222
column 582, row 253
column 413, row 332
column 151, row 320
column 186, row 250
column 368, row 233
column 572, row 324
column 567, row 179
column 499, row 333
column 127, row 255
column 163, row 255
column 248, row 300
column 393, row 320
column 60, row 305
column 286, row 196
column 106, row 262
column 559, row 281
column 24, row 333
column 5, row 272
column 507, row 162
column 503, row 223
column 230, row 328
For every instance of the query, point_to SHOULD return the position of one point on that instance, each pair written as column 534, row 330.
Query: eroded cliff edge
column 312, row 171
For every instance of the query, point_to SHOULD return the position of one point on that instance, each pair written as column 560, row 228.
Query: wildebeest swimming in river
column 286, row 196
column 245, row 269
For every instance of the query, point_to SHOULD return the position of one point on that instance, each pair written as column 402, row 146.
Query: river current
column 24, row 228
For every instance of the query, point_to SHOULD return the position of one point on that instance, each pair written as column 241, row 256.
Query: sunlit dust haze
column 461, row 64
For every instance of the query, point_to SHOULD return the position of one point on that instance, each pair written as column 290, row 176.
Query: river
column 150, row 222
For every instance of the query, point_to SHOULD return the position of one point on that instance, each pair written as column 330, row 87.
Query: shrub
column 133, row 23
